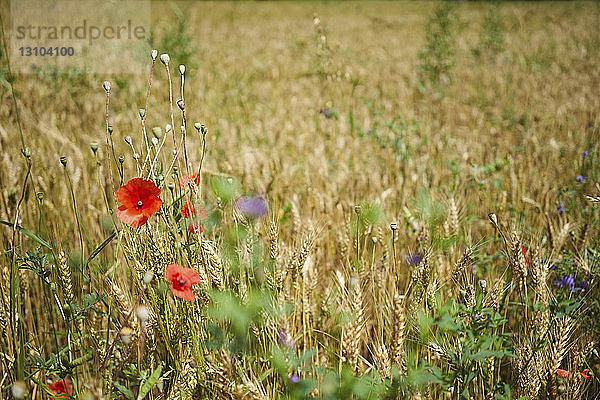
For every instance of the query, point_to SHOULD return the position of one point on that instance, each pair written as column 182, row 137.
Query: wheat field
column 369, row 200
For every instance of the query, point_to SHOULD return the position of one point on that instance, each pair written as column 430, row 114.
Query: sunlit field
column 362, row 200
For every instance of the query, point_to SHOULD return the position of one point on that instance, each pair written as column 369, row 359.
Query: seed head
column 94, row 147
column 182, row 69
column 157, row 132
column 164, row 58
column 128, row 139
column 142, row 113
column 168, row 128
column 154, row 54
column 106, row 86
column 155, row 141
column 181, row 104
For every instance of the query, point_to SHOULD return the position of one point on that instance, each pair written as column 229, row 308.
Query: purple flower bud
column 561, row 209
column 414, row 259
column 254, row 207
column 579, row 179
column 585, row 154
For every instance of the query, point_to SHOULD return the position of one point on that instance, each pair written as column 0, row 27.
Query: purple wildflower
column 414, row 259
column 579, row 179
column 553, row 267
column 583, row 285
column 294, row 378
column 326, row 112
column 590, row 124
column 585, row 154
column 561, row 209
column 566, row 281
column 284, row 339
column 254, row 207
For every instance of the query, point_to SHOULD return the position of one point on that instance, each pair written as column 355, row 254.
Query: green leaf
column 101, row 247
column 31, row 235
column 149, row 383
column 128, row 393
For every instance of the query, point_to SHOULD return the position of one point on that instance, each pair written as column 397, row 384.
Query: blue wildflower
column 561, row 209
column 294, row 378
column 585, row 154
column 579, row 179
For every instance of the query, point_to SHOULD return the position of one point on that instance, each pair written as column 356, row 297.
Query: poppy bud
column 154, row 54
column 110, row 129
column 63, row 161
column 148, row 277
column 357, row 209
column 142, row 313
column 181, row 104
column 126, row 334
column 136, row 156
column 393, row 226
column 19, row 390
column 198, row 126
column 26, row 152
column 171, row 186
column 40, row 196
column 121, row 159
column 168, row 128
column 142, row 113
column 94, row 147
column 106, row 86
column 154, row 141
column 182, row 69
column 157, row 132
column 67, row 310
column 164, row 58
column 483, row 284
column 203, row 130
column 128, row 139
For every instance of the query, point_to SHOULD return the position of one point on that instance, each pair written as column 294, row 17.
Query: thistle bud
column 106, row 86
column 142, row 113
column 181, row 104
column 63, row 161
column 19, row 390
column 182, row 69
column 94, row 147
column 164, row 58
column 126, row 334
column 128, row 140
column 154, row 54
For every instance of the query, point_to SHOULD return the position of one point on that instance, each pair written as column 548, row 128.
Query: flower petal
column 131, row 216
column 191, row 276
column 151, row 205
column 184, row 293
column 172, row 272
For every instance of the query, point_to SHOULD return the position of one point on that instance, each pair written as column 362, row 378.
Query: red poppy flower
column 563, row 373
column 182, row 280
column 139, row 199
column 195, row 228
column 188, row 210
column 585, row 374
column 186, row 179
column 61, row 389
